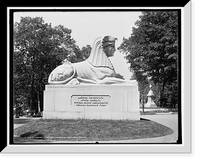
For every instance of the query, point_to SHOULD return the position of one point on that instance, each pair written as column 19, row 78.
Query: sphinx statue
column 96, row 69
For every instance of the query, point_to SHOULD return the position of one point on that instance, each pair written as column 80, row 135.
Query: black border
column 3, row 134
column 152, row 3
column 179, row 140
column 11, row 78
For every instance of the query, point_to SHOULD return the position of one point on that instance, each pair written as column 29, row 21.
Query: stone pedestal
column 117, row 102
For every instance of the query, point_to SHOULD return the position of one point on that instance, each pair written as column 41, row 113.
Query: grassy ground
column 91, row 130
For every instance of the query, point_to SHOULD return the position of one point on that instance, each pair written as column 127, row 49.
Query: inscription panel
column 90, row 100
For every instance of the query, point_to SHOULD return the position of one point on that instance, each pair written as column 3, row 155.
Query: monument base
column 150, row 103
column 116, row 102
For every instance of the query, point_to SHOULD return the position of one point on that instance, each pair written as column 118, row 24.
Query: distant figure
column 97, row 69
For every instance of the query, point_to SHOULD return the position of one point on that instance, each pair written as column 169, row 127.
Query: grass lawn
column 91, row 130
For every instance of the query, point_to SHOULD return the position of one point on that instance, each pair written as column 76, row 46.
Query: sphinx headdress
column 97, row 56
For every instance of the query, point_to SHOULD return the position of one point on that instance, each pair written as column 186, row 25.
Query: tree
column 38, row 49
column 152, row 48
column 86, row 51
column 142, row 87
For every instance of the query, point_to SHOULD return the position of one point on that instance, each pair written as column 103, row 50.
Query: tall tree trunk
column 33, row 97
column 143, row 103
column 32, row 92
column 162, row 94
column 38, row 98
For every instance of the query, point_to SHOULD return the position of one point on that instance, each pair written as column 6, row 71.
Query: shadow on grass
column 33, row 135
column 144, row 119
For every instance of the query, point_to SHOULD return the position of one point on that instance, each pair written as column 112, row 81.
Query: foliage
column 38, row 49
column 152, row 50
column 86, row 51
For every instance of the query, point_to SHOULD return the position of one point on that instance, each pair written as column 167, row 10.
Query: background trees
column 38, row 49
column 152, row 52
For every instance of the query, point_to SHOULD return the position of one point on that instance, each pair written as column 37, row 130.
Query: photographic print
column 96, row 77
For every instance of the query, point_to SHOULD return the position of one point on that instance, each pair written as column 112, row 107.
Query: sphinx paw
column 74, row 81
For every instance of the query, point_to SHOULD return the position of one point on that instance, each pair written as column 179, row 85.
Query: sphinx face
column 110, row 50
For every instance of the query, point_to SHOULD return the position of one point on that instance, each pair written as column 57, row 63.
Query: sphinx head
column 103, row 47
column 108, row 45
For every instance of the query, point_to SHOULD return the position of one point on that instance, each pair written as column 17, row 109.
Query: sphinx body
column 97, row 69
column 81, row 72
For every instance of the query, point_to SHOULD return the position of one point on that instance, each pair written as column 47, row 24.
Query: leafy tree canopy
column 38, row 49
column 152, row 49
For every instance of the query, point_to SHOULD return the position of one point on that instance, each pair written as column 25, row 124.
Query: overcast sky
column 87, row 26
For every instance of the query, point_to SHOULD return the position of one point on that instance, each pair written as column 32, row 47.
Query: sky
column 87, row 26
